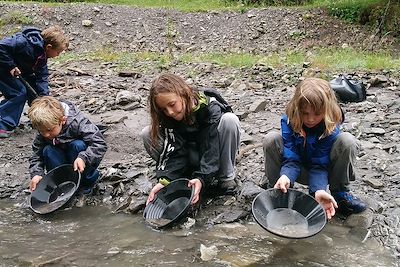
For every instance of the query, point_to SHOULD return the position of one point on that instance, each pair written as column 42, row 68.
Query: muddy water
column 94, row 236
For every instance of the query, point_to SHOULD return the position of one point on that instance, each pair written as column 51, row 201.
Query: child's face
column 310, row 117
column 172, row 105
column 52, row 132
column 52, row 51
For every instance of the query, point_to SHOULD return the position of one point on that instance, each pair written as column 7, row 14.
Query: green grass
column 16, row 17
column 325, row 59
column 182, row 5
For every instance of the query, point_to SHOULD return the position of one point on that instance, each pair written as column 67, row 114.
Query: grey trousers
column 341, row 168
column 229, row 136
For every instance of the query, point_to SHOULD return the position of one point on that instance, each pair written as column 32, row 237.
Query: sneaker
column 87, row 190
column 228, row 187
column 4, row 133
column 348, row 203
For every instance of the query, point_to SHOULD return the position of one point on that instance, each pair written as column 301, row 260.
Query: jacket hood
column 70, row 111
column 34, row 37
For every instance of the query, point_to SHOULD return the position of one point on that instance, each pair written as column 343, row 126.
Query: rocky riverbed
column 258, row 95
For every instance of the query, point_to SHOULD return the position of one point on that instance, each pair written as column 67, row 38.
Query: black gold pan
column 292, row 215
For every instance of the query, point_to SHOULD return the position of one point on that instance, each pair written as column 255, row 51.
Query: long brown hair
column 317, row 94
column 169, row 83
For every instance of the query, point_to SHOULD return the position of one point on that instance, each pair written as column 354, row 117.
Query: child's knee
column 78, row 145
column 48, row 151
column 346, row 141
column 271, row 139
column 229, row 122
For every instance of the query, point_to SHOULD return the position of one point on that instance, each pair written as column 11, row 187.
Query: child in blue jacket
column 312, row 150
column 25, row 55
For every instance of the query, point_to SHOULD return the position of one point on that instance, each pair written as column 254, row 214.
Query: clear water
column 287, row 222
column 94, row 236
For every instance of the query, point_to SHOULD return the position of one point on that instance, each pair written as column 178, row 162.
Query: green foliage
column 384, row 15
column 270, row 2
column 16, row 17
column 350, row 10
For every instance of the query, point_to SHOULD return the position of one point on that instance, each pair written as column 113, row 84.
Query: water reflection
column 93, row 236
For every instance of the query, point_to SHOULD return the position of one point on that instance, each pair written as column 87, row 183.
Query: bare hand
column 283, row 183
column 196, row 183
column 34, row 181
column 79, row 165
column 15, row 72
column 327, row 202
column 153, row 192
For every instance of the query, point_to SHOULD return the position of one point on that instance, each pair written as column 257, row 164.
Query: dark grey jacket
column 77, row 127
column 193, row 151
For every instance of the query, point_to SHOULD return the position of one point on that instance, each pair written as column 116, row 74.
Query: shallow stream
column 94, row 236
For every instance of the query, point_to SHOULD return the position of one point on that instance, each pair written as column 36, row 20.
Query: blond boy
column 65, row 136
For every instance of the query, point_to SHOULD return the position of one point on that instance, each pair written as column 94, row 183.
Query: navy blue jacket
column 25, row 50
column 311, row 152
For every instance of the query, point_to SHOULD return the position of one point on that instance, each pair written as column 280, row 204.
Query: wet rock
column 126, row 97
column 131, row 106
column 232, row 215
column 208, row 253
column 375, row 130
column 362, row 220
column 143, row 184
column 137, row 204
column 241, row 114
column 258, row 105
column 377, row 80
column 190, row 222
column 250, row 190
column 114, row 119
column 374, row 183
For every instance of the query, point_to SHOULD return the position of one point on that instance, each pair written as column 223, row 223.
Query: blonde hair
column 45, row 112
column 169, row 83
column 55, row 37
column 316, row 94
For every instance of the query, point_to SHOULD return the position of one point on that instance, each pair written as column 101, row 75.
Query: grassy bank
column 325, row 59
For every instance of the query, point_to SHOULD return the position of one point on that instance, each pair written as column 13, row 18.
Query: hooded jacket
column 25, row 50
column 76, row 127
column 311, row 152
column 193, row 150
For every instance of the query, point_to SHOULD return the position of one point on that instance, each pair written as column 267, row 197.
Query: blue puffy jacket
column 311, row 152
column 25, row 50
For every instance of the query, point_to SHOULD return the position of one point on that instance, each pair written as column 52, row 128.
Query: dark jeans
column 55, row 156
column 11, row 108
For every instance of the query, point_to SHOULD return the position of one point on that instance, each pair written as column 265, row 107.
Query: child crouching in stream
column 311, row 149
column 65, row 136
column 193, row 134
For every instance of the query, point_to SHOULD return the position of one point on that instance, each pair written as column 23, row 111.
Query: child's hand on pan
column 79, row 165
column 153, row 192
column 327, row 202
column 283, row 183
column 34, row 181
column 196, row 183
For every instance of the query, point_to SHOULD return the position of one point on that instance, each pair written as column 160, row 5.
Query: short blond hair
column 55, row 36
column 45, row 112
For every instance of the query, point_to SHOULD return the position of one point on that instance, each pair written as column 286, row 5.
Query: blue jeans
column 11, row 108
column 54, row 156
